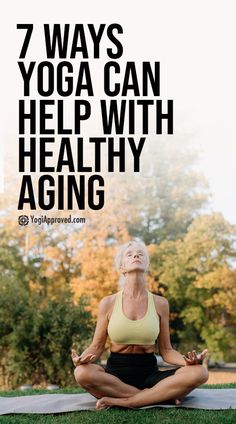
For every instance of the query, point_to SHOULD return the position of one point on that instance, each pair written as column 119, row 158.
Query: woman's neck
column 135, row 284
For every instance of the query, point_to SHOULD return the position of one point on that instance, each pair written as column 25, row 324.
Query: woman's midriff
column 131, row 348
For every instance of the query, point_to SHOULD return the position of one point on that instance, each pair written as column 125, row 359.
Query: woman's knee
column 86, row 375
column 82, row 374
column 199, row 374
column 193, row 375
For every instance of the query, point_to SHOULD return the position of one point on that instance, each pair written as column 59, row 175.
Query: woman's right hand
column 193, row 359
column 82, row 359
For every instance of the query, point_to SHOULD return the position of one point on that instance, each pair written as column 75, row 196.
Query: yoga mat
column 59, row 403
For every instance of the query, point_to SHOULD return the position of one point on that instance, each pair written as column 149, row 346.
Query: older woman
column 135, row 321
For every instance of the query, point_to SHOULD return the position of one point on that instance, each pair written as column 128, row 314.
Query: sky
column 195, row 44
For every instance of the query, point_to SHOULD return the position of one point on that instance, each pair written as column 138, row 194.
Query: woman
column 135, row 321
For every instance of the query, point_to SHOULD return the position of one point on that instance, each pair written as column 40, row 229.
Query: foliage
column 169, row 192
column 40, row 343
column 36, row 331
column 62, row 271
column 197, row 276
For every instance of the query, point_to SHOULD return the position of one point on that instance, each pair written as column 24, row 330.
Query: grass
column 121, row 416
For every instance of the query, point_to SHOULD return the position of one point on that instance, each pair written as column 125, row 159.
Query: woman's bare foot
column 106, row 402
column 102, row 403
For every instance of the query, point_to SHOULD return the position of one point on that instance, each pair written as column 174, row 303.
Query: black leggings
column 138, row 370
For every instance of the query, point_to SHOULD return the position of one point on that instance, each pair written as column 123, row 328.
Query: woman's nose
column 136, row 255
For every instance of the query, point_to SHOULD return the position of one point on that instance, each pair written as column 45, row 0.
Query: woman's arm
column 165, row 349
column 94, row 351
column 164, row 345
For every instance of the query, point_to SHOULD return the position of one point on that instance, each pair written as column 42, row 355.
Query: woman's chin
column 136, row 268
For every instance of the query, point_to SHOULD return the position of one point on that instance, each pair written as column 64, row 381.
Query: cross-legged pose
column 136, row 321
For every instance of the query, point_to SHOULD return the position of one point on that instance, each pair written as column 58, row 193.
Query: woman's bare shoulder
column 107, row 303
column 161, row 303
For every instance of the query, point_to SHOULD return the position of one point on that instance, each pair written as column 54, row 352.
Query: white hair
column 120, row 254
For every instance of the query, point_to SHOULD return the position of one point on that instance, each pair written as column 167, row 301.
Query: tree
column 168, row 194
column 40, row 343
column 198, row 277
column 37, row 330
column 98, row 243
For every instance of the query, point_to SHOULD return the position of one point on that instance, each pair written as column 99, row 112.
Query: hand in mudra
column 192, row 358
column 82, row 359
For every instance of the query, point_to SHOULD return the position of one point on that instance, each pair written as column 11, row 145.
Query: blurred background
column 181, row 204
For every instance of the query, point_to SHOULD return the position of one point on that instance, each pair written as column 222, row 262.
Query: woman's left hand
column 193, row 359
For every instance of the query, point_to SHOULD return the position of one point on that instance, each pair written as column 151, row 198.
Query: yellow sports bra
column 123, row 330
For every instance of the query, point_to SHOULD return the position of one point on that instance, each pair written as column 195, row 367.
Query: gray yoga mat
column 59, row 403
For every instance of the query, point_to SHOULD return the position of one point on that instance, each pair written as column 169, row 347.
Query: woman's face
column 134, row 259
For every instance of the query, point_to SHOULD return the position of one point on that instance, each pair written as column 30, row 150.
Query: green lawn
column 119, row 416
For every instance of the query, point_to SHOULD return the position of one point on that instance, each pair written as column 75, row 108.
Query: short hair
column 122, row 249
